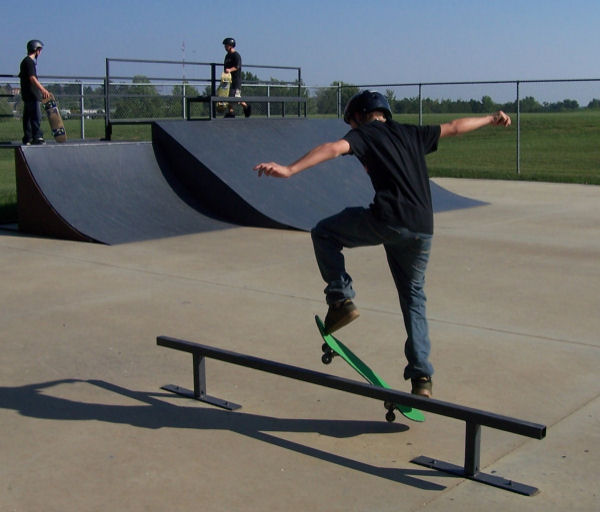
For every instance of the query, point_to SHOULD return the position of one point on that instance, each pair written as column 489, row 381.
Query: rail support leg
column 471, row 467
column 472, row 449
column 199, row 392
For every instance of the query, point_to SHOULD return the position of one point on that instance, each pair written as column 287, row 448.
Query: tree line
column 325, row 101
column 528, row 104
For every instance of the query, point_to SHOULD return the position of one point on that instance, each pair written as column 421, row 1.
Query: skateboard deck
column 223, row 91
column 55, row 120
column 333, row 346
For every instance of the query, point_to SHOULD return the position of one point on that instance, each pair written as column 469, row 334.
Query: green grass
column 94, row 129
column 554, row 147
column 559, row 147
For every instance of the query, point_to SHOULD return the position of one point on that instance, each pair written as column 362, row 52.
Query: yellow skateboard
column 223, row 91
column 55, row 120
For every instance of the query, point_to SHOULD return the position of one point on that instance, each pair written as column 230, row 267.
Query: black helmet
column 365, row 102
column 229, row 41
column 33, row 45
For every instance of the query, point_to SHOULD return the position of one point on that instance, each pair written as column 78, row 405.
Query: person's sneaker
column 39, row 142
column 422, row 386
column 340, row 314
column 247, row 110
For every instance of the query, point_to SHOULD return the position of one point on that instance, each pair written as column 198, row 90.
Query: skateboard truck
column 328, row 354
column 327, row 357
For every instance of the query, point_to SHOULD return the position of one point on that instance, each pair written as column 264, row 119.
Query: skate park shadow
column 36, row 401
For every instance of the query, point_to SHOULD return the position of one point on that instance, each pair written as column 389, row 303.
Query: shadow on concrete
column 32, row 401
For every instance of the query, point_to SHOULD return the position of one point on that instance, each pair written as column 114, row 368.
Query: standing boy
column 400, row 217
column 32, row 92
column 233, row 64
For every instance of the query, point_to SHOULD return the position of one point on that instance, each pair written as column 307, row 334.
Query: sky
column 358, row 42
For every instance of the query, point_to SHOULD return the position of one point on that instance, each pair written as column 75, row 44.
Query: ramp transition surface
column 216, row 159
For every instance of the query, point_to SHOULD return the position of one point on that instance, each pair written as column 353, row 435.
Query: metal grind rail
column 473, row 418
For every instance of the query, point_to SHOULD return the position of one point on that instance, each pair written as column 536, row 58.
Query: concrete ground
column 514, row 296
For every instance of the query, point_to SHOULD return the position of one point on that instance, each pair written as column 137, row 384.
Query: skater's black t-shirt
column 234, row 60
column 394, row 156
column 28, row 91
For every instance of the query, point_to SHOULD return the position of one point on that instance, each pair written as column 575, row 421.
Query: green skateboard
column 333, row 347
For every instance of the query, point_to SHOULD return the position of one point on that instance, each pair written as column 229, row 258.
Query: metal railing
column 516, row 84
column 76, row 95
column 145, row 98
column 473, row 418
column 113, row 89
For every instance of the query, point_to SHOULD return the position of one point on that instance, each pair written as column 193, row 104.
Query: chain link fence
column 556, row 123
column 144, row 97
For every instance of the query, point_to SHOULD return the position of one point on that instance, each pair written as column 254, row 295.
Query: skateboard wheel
column 388, row 405
column 326, row 358
column 390, row 417
column 325, row 348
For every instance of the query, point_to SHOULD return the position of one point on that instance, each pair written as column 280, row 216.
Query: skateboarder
column 32, row 92
column 233, row 64
column 400, row 217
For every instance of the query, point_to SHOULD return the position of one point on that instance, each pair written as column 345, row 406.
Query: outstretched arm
column 468, row 124
column 315, row 156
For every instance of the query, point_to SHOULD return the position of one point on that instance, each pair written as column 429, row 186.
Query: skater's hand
column 500, row 119
column 317, row 155
column 273, row 169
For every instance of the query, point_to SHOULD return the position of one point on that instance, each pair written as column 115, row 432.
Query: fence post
column 420, row 105
column 183, row 99
column 81, row 109
column 213, row 90
column 107, row 127
column 518, row 130
column 299, row 90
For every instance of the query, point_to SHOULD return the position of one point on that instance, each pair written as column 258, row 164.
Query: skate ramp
column 195, row 176
column 106, row 192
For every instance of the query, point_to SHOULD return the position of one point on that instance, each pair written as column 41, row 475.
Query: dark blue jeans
column 407, row 256
column 32, row 120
